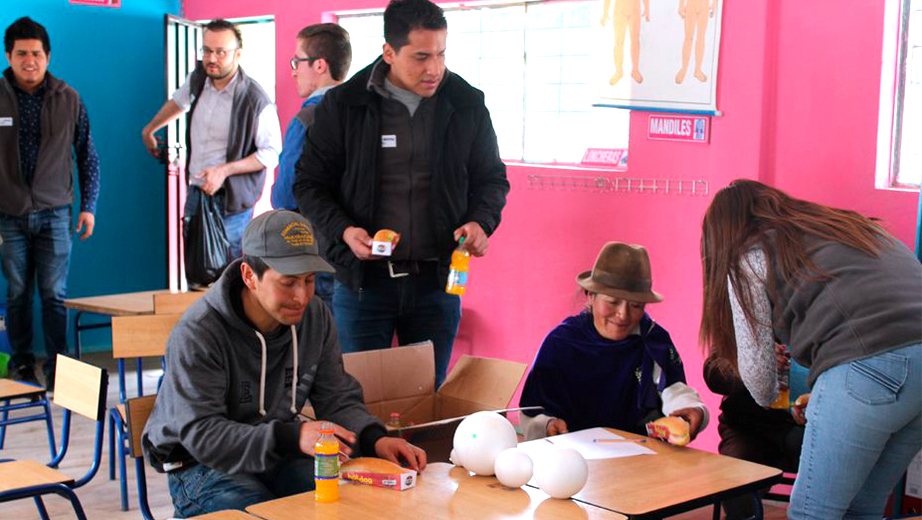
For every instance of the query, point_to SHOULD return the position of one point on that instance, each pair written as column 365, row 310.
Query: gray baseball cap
column 286, row 242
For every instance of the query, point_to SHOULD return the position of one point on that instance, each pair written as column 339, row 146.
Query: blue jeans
column 234, row 225
column 323, row 288
column 36, row 247
column 199, row 490
column 416, row 307
column 863, row 428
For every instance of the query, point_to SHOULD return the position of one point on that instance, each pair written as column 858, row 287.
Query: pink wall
column 799, row 101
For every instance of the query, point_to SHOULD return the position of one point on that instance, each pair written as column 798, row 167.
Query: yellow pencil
column 619, row 440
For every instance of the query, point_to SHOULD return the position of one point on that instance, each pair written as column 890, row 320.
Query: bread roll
column 371, row 465
column 387, row 235
column 673, row 430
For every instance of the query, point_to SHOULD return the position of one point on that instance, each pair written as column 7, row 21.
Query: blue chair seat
column 15, row 395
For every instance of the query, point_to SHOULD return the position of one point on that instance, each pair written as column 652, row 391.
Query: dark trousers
column 771, row 444
column 415, row 307
column 36, row 248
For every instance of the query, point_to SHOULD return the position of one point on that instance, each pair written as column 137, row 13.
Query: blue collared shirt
column 283, row 196
column 30, row 139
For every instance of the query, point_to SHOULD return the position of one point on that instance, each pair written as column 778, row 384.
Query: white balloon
column 480, row 438
column 561, row 472
column 513, row 467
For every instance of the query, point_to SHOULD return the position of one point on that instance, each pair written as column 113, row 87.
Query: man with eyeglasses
column 233, row 133
column 409, row 146
column 321, row 61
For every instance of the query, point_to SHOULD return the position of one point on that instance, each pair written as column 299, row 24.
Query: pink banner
column 672, row 127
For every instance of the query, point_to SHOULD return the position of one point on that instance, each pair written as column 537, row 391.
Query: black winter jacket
column 337, row 176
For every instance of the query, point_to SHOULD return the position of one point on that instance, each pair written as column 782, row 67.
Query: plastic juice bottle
column 394, row 421
column 457, row 277
column 326, row 465
column 783, row 402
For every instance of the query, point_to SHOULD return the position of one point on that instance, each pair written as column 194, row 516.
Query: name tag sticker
column 6, row 121
column 388, row 141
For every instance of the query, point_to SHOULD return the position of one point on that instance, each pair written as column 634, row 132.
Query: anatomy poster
column 659, row 54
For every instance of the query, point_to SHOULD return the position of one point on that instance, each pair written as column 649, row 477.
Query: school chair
column 16, row 395
column 786, row 480
column 173, row 303
column 137, row 411
column 78, row 387
column 136, row 337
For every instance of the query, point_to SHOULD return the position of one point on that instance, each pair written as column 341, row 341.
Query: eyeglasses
column 295, row 61
column 219, row 53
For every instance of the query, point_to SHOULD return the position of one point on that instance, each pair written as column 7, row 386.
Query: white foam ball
column 480, row 438
column 513, row 467
column 561, row 472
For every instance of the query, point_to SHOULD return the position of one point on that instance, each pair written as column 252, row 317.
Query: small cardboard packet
column 391, row 476
column 382, row 248
column 384, row 242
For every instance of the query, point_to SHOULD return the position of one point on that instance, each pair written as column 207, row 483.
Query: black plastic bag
column 206, row 243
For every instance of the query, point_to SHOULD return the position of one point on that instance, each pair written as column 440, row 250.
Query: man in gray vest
column 409, row 146
column 43, row 127
column 233, row 132
column 321, row 61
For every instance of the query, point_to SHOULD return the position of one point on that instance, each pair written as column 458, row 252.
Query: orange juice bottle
column 457, row 276
column 783, row 402
column 326, row 465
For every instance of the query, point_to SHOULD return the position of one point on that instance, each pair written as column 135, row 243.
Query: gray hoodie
column 226, row 400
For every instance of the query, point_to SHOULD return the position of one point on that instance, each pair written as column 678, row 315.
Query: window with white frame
column 899, row 153
column 533, row 62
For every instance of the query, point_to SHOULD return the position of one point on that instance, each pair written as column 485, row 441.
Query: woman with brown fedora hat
column 610, row 365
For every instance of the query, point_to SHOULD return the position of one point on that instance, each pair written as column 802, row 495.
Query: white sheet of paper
column 583, row 441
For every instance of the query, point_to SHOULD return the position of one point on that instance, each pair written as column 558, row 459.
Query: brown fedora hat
column 623, row 271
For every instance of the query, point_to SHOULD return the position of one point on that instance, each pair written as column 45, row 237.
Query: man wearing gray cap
column 241, row 363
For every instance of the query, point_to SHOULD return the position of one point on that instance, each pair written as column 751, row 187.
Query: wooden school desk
column 127, row 304
column 442, row 492
column 226, row 515
column 675, row 480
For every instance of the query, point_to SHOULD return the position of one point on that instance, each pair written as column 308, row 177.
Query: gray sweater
column 226, row 400
column 870, row 305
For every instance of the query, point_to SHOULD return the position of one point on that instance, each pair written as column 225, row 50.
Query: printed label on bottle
column 457, row 278
column 326, row 466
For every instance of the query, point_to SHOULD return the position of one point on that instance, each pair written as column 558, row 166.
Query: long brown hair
column 748, row 213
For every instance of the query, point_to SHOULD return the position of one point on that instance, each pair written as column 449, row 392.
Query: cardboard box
column 403, row 380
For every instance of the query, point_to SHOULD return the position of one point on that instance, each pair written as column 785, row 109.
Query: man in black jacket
column 409, row 146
